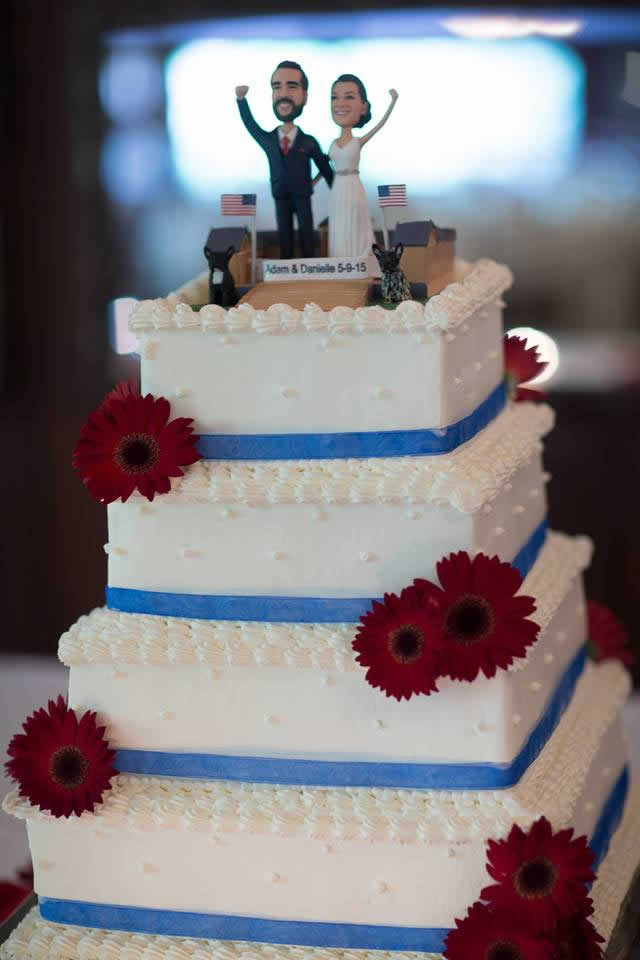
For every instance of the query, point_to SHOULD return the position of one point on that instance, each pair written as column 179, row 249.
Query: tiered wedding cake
column 269, row 792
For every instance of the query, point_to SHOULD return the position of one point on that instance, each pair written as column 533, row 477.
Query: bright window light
column 547, row 350
column 497, row 112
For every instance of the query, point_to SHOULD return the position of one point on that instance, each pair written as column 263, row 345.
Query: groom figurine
column 289, row 152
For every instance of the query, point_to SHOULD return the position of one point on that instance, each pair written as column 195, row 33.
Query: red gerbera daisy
column 488, row 934
column 122, row 391
column 608, row 639
column 395, row 642
column 541, row 876
column 578, row 939
column 61, row 764
column 11, row 896
column 480, row 624
column 520, row 366
column 129, row 444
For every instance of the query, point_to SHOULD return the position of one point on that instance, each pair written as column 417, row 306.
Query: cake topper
column 394, row 284
column 289, row 151
column 350, row 232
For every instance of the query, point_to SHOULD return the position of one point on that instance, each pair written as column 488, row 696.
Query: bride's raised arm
column 381, row 123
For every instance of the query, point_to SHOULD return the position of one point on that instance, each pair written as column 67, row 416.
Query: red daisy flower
column 11, row 896
column 129, row 444
column 122, row 391
column 578, row 939
column 395, row 642
column 541, row 876
column 61, row 764
column 488, row 934
column 480, row 624
column 520, row 366
column 608, row 639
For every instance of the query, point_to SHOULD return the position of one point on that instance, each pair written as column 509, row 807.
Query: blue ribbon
column 609, row 819
column 354, row 773
column 365, row 444
column 264, row 609
column 347, row 936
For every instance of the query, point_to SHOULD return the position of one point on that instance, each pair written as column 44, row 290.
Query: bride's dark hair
column 351, row 78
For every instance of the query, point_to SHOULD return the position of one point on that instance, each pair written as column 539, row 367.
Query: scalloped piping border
column 483, row 283
column 107, row 636
column 466, row 479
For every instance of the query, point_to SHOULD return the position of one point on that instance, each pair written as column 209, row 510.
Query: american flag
column 238, row 204
column 392, row 195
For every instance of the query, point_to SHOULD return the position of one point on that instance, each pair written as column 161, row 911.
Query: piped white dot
column 517, row 719
column 189, row 553
column 517, row 509
column 535, row 685
column 458, row 381
column 381, row 393
column 498, row 531
column 380, row 886
column 181, row 392
column 534, row 492
column 548, row 658
column 368, row 557
column 288, row 392
column 107, row 548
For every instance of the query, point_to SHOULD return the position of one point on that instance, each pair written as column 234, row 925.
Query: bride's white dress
column 350, row 233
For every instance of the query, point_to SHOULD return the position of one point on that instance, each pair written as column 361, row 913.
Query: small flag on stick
column 238, row 204
column 392, row 195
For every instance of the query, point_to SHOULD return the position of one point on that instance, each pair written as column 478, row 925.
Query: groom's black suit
column 290, row 180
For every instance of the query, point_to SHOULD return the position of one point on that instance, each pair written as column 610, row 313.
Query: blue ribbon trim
column 203, row 606
column 350, row 936
column 610, row 818
column 331, row 446
column 353, row 773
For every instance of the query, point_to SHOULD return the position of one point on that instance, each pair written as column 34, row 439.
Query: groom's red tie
column 284, row 144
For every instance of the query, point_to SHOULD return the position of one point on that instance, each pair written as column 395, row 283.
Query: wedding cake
column 341, row 675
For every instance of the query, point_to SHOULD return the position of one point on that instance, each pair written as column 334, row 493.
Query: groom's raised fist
column 241, row 92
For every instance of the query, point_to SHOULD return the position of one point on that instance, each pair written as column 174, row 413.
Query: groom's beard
column 296, row 109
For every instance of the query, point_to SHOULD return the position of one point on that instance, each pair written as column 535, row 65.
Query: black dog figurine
column 395, row 286
column 222, row 289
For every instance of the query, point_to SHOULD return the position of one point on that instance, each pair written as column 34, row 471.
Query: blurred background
column 521, row 129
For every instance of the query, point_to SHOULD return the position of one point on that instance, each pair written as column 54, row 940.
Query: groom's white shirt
column 291, row 135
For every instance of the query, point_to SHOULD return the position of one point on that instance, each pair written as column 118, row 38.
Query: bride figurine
column 350, row 233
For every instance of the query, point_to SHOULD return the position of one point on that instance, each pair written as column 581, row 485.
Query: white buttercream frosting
column 553, row 783
column 104, row 636
column 467, row 479
column 478, row 285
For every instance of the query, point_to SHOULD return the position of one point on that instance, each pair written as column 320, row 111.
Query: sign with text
column 316, row 268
